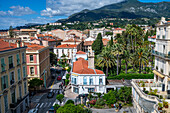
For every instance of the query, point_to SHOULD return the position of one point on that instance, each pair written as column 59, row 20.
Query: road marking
column 52, row 84
column 37, row 105
column 54, row 103
column 41, row 105
column 45, row 104
column 49, row 104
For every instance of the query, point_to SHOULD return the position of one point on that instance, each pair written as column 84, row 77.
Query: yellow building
column 14, row 95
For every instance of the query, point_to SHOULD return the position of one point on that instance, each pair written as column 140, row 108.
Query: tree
column 60, row 97
column 53, row 58
column 11, row 33
column 70, row 108
column 110, row 97
column 117, row 50
column 105, row 58
column 97, row 45
column 125, row 94
column 35, row 83
column 70, row 102
column 56, row 106
column 111, row 41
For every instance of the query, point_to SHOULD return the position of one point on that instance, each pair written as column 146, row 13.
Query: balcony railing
column 160, row 54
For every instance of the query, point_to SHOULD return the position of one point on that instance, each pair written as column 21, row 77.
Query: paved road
column 112, row 110
column 42, row 102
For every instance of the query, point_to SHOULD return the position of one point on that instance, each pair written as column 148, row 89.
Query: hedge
column 132, row 76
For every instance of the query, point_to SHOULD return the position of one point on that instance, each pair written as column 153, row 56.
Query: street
column 42, row 102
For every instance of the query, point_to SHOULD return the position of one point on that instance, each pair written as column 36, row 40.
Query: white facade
column 69, row 52
column 162, row 54
column 25, row 38
column 85, row 83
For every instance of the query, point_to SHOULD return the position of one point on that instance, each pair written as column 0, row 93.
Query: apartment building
column 66, row 49
column 162, row 56
column 14, row 95
column 38, row 62
column 85, row 79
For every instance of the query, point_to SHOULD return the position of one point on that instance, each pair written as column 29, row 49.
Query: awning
column 157, row 73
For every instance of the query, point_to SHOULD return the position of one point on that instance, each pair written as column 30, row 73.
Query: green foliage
column 111, row 42
column 53, row 58
column 11, row 33
column 60, row 97
column 67, row 81
column 70, row 102
column 97, row 45
column 110, row 97
column 98, row 95
column 132, row 76
column 100, row 102
column 109, row 33
column 67, row 76
column 70, row 108
column 35, row 82
column 69, row 69
column 124, row 94
column 56, row 106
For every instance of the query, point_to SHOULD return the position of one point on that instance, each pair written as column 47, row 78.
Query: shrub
column 66, row 81
column 92, row 102
column 97, row 106
column 70, row 102
column 56, row 106
column 132, row 76
column 100, row 102
column 67, row 76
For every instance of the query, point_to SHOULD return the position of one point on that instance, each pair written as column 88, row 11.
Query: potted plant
column 165, row 104
column 160, row 106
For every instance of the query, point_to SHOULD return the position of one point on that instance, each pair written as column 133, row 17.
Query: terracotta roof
column 6, row 45
column 32, row 38
column 152, row 36
column 80, row 52
column 67, row 46
column 105, row 41
column 40, row 35
column 119, row 29
column 49, row 35
column 15, row 30
column 87, row 43
column 31, row 46
column 48, row 39
column 81, row 67
column 28, row 30
column 72, row 40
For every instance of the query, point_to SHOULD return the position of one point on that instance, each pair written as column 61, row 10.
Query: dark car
column 59, row 78
column 50, row 94
column 51, row 110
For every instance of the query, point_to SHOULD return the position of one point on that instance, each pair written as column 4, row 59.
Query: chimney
column 22, row 44
column 18, row 44
column 91, row 60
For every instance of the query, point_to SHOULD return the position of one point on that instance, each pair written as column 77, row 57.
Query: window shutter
column 6, row 81
column 2, row 83
column 19, row 77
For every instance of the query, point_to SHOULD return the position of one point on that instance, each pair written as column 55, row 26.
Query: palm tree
column 105, row 58
column 142, row 57
column 117, row 50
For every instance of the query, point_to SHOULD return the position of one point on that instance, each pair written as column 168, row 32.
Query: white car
column 34, row 110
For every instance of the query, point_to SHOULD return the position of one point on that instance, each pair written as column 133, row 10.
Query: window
column 23, row 58
column 32, row 70
column 3, row 64
column 13, row 96
column 12, row 78
column 76, row 90
column 100, row 81
column 0, row 106
column 84, row 81
column 25, row 88
column 24, row 72
column 6, row 103
column 20, row 92
column 19, row 74
column 75, row 81
column 31, row 58
column 91, row 81
column 163, row 36
column 18, row 60
column 158, row 36
column 100, row 88
column 90, row 89
column 10, row 60
column 4, row 82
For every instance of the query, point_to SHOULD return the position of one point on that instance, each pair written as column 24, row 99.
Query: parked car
column 34, row 110
column 50, row 94
column 51, row 110
column 59, row 78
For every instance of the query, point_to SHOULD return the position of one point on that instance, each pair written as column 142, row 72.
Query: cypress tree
column 97, row 45
column 111, row 41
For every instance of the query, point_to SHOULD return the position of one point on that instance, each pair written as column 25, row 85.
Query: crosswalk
column 46, row 104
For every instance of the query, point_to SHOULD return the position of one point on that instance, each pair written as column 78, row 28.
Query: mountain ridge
column 125, row 9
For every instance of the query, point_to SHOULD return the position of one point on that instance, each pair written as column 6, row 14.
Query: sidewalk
column 69, row 94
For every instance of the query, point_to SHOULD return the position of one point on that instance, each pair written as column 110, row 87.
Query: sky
column 21, row 12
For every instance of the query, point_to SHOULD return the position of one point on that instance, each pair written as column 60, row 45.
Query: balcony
column 19, row 100
column 161, row 54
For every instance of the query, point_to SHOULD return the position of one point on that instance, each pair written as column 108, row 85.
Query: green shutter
column 24, row 71
column 6, row 77
column 3, row 64
column 19, row 77
column 2, row 83
column 18, row 60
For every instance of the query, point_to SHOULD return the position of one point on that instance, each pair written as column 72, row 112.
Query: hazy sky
column 21, row 12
